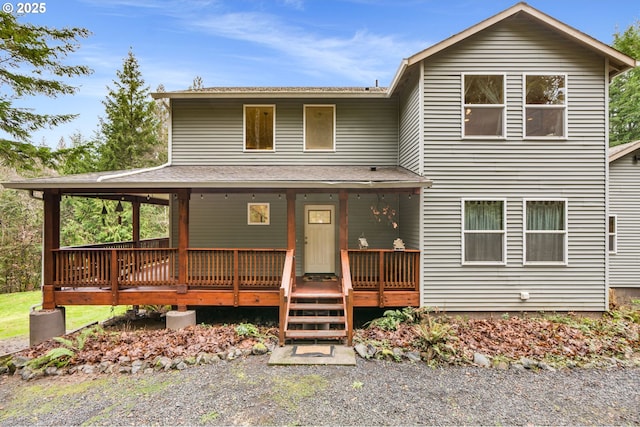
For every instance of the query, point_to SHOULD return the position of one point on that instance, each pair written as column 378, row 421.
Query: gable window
column 259, row 127
column 483, row 232
column 613, row 233
column 319, row 127
column 545, row 234
column 484, row 106
column 545, row 106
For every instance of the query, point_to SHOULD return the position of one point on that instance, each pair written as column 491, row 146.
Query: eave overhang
column 618, row 61
column 212, row 178
column 622, row 150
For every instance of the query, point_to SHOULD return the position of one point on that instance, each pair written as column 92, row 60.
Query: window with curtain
column 259, row 126
column 613, row 233
column 483, row 231
column 484, row 105
column 545, row 231
column 319, row 127
column 545, row 105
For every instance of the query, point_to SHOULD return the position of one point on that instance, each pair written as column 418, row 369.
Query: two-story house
column 486, row 156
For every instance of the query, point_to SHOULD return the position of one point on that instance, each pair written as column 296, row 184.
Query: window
column 613, row 233
column 545, row 106
column 483, row 229
column 258, row 213
column 319, row 127
column 259, row 127
column 545, row 234
column 483, row 106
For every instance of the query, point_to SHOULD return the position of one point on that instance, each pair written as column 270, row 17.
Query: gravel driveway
column 248, row 391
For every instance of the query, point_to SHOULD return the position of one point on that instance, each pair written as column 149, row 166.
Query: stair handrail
column 347, row 294
column 286, row 286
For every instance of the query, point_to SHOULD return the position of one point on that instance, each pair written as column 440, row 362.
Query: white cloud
column 361, row 57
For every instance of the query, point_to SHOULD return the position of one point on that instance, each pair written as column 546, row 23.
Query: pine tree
column 31, row 63
column 624, row 92
column 130, row 129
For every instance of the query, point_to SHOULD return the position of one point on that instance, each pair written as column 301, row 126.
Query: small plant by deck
column 391, row 319
column 248, row 330
column 435, row 339
column 60, row 357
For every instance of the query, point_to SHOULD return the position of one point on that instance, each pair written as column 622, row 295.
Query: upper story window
column 545, row 233
column 613, row 234
column 545, row 106
column 319, row 127
column 483, row 232
column 484, row 106
column 259, row 127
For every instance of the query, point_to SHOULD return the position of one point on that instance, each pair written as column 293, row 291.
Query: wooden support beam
column 136, row 223
column 291, row 220
column 183, row 235
column 291, row 226
column 344, row 220
column 51, row 242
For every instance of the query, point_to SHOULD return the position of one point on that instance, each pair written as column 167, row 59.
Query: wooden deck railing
column 159, row 242
column 235, row 268
column 384, row 269
column 347, row 294
column 286, row 287
column 90, row 267
column 128, row 267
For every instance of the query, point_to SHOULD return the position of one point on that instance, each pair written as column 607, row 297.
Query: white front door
column 319, row 239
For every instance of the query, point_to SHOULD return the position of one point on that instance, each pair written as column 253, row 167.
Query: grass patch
column 15, row 313
column 36, row 401
column 289, row 391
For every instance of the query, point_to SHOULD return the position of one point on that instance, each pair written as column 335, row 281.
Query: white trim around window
column 612, row 234
column 542, row 110
column 329, row 131
column 483, row 232
column 549, row 228
column 484, row 110
column 273, row 128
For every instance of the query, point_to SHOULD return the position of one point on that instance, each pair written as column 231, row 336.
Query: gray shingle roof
column 312, row 177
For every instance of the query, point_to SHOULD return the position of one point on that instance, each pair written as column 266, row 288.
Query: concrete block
column 180, row 319
column 46, row 324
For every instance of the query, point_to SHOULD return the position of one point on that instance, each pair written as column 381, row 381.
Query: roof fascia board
column 268, row 95
column 631, row 147
column 228, row 185
column 540, row 16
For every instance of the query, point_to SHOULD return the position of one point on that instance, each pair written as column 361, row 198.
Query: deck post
column 381, row 279
column 183, row 235
column 115, row 274
column 51, row 242
column 236, row 278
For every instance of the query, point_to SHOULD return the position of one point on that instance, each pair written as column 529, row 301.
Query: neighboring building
column 624, row 221
column 487, row 156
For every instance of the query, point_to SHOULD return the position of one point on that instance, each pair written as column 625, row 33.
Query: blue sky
column 272, row 42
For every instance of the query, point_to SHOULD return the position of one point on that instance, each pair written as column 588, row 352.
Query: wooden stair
column 316, row 314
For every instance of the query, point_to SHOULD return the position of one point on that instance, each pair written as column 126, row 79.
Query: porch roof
column 230, row 177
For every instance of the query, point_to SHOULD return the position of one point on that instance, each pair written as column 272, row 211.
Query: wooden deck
column 119, row 275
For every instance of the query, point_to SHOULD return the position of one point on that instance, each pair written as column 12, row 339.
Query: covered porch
column 244, row 261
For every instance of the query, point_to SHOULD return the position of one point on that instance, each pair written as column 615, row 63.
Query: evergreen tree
column 130, row 129
column 624, row 92
column 31, row 64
